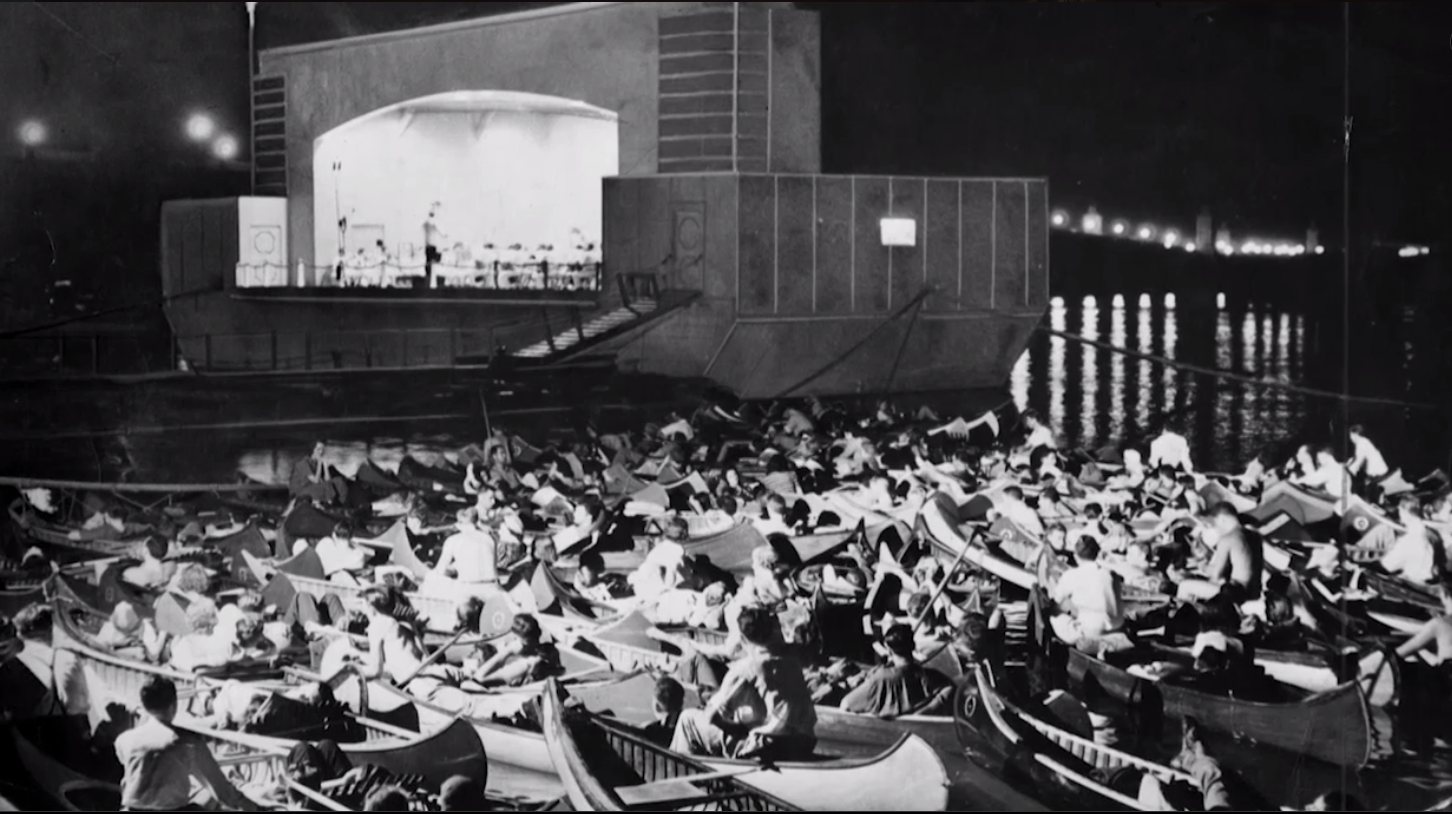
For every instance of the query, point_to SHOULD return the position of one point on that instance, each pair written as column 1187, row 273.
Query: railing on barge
column 81, row 355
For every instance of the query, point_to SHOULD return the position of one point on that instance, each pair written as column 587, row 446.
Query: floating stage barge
column 635, row 180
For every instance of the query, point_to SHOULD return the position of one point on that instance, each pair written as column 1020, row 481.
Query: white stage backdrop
column 502, row 177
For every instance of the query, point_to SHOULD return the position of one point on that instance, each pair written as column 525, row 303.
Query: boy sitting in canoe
column 902, row 686
column 763, row 708
column 161, row 763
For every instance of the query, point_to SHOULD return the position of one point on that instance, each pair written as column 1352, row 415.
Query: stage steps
column 597, row 327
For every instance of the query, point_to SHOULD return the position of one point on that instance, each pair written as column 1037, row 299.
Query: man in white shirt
column 1170, row 449
column 1366, row 466
column 1412, row 556
column 1329, row 475
column 340, row 556
column 1091, row 594
column 665, row 566
column 1039, row 433
column 1011, row 505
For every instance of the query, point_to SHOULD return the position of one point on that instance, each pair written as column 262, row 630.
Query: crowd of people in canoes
column 1125, row 519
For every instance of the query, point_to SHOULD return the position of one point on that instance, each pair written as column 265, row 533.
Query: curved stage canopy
column 504, row 169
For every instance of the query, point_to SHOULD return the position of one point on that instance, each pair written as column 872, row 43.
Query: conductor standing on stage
column 433, row 237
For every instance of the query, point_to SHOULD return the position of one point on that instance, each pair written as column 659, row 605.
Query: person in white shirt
column 340, row 556
column 1090, row 593
column 1039, row 433
column 1366, row 466
column 154, row 573
column 665, row 566
column 1170, row 449
column 1329, row 475
column 1412, row 556
column 1012, row 507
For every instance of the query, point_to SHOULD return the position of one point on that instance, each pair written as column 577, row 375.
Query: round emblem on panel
column 1361, row 523
column 264, row 242
column 690, row 233
column 970, row 705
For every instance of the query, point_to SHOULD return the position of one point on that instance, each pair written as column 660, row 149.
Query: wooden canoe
column 52, row 534
column 62, row 787
column 997, row 734
column 434, row 755
column 939, row 520
column 628, row 648
column 906, row 776
column 1333, row 726
column 489, row 712
column 606, row 768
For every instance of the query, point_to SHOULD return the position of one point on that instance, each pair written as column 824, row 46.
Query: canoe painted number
column 970, row 705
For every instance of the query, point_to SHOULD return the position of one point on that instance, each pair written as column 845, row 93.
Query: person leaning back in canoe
column 522, row 658
column 160, row 762
column 1090, row 593
column 763, row 708
column 153, row 573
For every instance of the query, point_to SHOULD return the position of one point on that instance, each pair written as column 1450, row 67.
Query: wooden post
column 307, row 350
column 274, row 350
column 209, row 351
column 453, row 346
column 403, row 347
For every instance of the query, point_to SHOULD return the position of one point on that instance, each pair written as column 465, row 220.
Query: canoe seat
column 670, row 793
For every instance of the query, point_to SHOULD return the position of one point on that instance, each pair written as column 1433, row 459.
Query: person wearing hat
column 125, row 630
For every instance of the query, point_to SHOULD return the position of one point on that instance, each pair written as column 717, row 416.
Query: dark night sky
column 1146, row 110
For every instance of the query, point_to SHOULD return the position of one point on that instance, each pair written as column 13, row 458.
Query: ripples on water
column 1094, row 397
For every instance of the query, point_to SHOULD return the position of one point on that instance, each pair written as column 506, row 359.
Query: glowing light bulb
column 200, row 127
column 225, row 148
column 32, row 133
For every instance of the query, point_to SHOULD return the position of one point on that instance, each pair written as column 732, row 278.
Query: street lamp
column 225, row 148
column 32, row 133
column 200, row 127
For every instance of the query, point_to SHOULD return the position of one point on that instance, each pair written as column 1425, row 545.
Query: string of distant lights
column 1092, row 223
column 199, row 127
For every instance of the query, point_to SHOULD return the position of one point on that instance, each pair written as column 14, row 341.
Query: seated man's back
column 901, row 686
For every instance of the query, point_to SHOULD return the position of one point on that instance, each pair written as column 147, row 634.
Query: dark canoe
column 61, row 786
column 1044, row 760
column 1333, row 726
column 424, row 478
column 605, row 768
column 96, row 543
